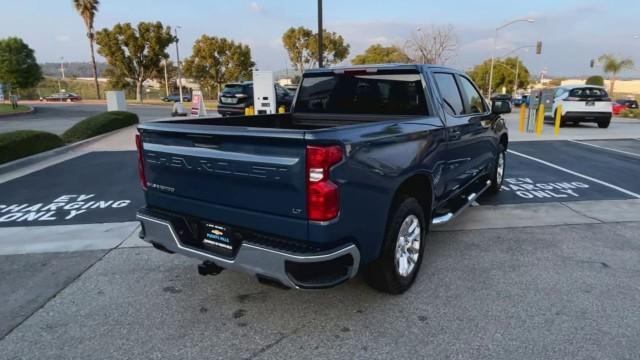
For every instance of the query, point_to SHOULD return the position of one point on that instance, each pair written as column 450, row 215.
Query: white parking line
column 630, row 193
column 606, row 148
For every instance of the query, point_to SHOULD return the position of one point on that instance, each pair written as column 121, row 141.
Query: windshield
column 383, row 94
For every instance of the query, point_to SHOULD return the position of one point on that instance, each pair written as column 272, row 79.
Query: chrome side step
column 443, row 219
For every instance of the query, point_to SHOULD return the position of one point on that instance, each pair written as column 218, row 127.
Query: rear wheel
column 401, row 255
column 499, row 167
column 603, row 124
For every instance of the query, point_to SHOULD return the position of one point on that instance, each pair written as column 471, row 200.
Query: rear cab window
column 232, row 89
column 587, row 92
column 380, row 93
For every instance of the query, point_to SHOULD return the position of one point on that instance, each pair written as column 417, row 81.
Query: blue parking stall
column 615, row 168
column 528, row 181
column 99, row 187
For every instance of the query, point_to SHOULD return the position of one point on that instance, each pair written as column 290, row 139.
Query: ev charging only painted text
column 528, row 189
column 65, row 207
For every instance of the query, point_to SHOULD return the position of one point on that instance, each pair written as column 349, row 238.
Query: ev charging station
column 264, row 93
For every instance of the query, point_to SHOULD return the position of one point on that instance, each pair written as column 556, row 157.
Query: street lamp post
column 320, row 31
column 62, row 66
column 424, row 60
column 493, row 52
column 525, row 48
column 166, row 78
column 178, row 63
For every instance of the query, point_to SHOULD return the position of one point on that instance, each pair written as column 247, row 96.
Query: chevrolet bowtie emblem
column 216, row 232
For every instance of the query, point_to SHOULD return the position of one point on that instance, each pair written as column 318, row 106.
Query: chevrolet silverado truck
column 352, row 179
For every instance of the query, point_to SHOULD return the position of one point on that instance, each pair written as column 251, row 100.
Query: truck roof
column 394, row 66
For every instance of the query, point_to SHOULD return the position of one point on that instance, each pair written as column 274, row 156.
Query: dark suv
column 235, row 97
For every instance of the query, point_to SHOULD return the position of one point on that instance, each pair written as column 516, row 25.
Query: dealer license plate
column 218, row 238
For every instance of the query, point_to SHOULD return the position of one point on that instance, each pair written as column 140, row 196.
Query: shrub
column 18, row 144
column 99, row 124
column 631, row 113
column 595, row 80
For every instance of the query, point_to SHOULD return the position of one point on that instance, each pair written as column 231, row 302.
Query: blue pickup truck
column 352, row 179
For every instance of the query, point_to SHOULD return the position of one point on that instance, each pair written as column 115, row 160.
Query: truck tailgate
column 245, row 170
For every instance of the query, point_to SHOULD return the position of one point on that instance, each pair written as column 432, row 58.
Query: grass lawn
column 6, row 108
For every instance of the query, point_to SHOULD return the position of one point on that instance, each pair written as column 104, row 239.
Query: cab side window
column 450, row 93
column 474, row 99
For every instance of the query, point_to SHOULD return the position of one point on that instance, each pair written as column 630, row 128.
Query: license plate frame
column 217, row 238
column 229, row 100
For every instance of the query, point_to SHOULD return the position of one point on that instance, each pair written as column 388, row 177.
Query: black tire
column 383, row 274
column 496, row 178
column 604, row 124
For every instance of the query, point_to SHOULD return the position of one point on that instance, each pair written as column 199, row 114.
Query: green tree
column 134, row 53
column 18, row 65
column 87, row 10
column 595, row 80
column 215, row 61
column 378, row 54
column 611, row 65
column 504, row 74
column 302, row 46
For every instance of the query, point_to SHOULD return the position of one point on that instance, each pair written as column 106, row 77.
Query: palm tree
column 87, row 10
column 613, row 66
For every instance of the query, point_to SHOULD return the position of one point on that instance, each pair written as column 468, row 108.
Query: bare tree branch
column 433, row 44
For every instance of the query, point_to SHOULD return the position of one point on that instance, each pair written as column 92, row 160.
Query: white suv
column 582, row 103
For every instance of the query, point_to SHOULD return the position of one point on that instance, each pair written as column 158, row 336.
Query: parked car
column 520, row 99
column 582, row 103
column 292, row 88
column 351, row 180
column 176, row 98
column 617, row 108
column 621, row 104
column 236, row 97
column 62, row 97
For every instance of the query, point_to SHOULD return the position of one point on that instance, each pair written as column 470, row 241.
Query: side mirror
column 500, row 106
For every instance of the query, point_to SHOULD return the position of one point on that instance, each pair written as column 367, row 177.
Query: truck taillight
column 322, row 194
column 141, row 174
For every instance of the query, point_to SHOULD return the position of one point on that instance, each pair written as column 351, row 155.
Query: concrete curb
column 36, row 158
column 31, row 110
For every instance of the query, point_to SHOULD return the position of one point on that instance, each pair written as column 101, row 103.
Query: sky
column 572, row 32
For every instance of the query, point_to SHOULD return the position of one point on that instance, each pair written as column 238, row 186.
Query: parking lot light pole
column 424, row 60
column 166, row 78
column 178, row 63
column 320, row 31
column 493, row 52
column 525, row 48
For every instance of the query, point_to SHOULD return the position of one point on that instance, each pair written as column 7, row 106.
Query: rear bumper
column 301, row 270
column 231, row 109
column 587, row 116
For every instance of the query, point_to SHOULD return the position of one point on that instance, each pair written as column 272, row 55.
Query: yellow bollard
column 556, row 128
column 281, row 109
column 248, row 110
column 540, row 119
column 523, row 110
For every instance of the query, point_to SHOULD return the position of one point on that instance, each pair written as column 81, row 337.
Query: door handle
column 455, row 134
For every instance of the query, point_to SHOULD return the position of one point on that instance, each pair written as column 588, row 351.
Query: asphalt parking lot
column 75, row 282
column 56, row 118
column 103, row 187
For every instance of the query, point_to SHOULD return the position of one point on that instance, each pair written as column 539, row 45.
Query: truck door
column 457, row 170
column 480, row 123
